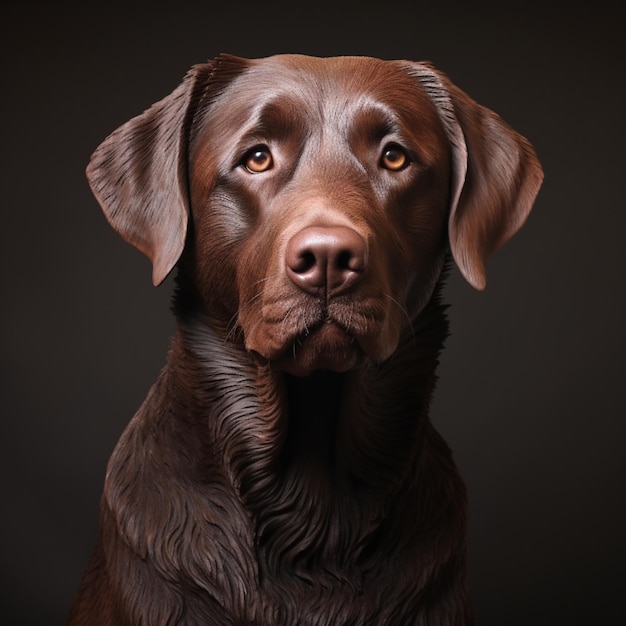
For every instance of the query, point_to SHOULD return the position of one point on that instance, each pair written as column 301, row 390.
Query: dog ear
column 496, row 175
column 139, row 175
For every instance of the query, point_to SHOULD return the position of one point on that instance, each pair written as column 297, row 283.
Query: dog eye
column 394, row 158
column 258, row 160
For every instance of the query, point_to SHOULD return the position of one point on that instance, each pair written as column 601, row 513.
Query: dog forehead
column 318, row 91
column 326, row 79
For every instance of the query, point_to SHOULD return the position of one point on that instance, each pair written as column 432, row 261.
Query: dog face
column 313, row 201
column 336, row 200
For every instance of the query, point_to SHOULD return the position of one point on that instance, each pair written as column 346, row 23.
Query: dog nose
column 325, row 260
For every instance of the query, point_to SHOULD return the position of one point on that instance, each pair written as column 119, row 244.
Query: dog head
column 314, row 200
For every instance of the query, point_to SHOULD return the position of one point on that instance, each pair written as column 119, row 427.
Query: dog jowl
column 283, row 469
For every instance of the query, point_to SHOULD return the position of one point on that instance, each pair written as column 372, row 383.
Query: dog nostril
column 346, row 260
column 305, row 262
column 325, row 260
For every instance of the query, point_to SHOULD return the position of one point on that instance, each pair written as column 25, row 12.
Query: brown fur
column 283, row 469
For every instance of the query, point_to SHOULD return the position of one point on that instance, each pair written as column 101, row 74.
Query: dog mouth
column 326, row 346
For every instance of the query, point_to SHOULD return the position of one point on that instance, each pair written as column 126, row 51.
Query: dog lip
column 325, row 346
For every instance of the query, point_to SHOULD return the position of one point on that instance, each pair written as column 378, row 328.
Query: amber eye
column 394, row 158
column 258, row 160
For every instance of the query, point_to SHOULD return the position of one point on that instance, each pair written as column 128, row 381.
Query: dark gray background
column 531, row 396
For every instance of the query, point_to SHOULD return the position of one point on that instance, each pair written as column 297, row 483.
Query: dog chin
column 328, row 347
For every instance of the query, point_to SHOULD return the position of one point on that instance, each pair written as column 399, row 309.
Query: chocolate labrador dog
column 283, row 469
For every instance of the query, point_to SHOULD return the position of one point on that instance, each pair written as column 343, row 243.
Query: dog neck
column 304, row 453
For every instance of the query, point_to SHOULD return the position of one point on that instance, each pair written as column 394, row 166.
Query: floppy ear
column 495, row 175
column 139, row 175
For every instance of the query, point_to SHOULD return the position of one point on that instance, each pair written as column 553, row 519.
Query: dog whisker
column 404, row 313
